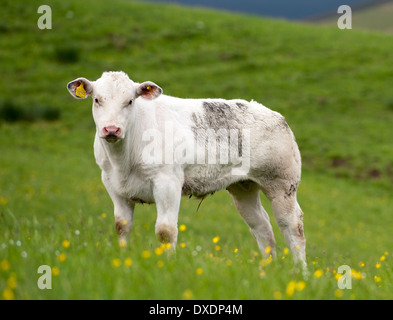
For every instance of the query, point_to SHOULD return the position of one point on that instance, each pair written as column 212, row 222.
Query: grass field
column 333, row 87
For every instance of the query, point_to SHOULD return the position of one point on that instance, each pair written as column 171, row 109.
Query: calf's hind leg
column 289, row 218
column 247, row 201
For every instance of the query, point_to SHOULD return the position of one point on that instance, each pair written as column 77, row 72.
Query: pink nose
column 111, row 131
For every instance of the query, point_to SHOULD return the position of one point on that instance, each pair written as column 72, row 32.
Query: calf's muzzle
column 111, row 133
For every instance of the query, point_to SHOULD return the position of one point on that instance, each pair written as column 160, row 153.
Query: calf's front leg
column 124, row 213
column 167, row 196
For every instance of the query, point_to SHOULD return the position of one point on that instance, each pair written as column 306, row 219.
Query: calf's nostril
column 111, row 131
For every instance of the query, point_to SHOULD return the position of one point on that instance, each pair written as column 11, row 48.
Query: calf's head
column 114, row 96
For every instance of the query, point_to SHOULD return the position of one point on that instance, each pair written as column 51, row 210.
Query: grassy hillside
column 333, row 87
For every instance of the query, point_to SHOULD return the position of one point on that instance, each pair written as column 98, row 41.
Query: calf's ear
column 80, row 88
column 148, row 90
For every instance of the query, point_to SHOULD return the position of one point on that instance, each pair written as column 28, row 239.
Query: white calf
column 154, row 148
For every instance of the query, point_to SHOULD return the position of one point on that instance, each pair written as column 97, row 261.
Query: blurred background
column 287, row 9
column 332, row 85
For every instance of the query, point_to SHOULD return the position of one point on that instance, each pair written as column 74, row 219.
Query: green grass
column 333, row 86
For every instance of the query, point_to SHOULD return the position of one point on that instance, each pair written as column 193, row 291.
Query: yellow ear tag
column 80, row 91
column 148, row 88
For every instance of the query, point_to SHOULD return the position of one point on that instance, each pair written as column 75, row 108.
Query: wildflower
column 160, row 263
column 65, row 243
column 236, row 250
column 182, row 245
column 318, row 273
column 217, row 248
column 338, row 293
column 378, row 265
column 386, row 253
column 165, row 246
column 128, row 262
column 268, row 249
column 8, row 294
column 97, row 244
column 357, row 275
column 269, row 259
column 216, row 239
column 262, row 273
column 277, row 295
column 182, row 227
column 290, row 288
column 122, row 243
column 4, row 265
column 159, row 251
column 55, row 271
column 187, row 294
column 377, row 279
column 286, row 251
column 3, row 201
column 103, row 215
column 146, row 254
column 265, row 262
column 116, row 262
column 30, row 190
column 382, row 258
column 300, row 286
column 361, row 264
column 62, row 257
column 11, row 282
column 199, row 271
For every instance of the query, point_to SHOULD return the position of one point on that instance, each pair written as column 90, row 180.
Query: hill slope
column 333, row 87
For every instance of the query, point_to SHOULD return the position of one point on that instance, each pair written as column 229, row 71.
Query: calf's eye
column 96, row 100
column 130, row 102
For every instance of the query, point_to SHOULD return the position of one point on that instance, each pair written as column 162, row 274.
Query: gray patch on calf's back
column 228, row 115
column 224, row 115
column 217, row 115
